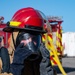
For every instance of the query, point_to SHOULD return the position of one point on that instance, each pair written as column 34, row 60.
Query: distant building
column 68, row 39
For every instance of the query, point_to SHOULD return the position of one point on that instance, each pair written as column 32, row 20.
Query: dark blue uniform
column 22, row 66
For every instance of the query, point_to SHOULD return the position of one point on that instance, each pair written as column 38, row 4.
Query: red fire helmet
column 26, row 19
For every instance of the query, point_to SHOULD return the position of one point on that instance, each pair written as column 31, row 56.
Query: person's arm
column 45, row 65
column 5, row 60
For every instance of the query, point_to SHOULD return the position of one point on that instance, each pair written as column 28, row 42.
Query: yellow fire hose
column 56, row 56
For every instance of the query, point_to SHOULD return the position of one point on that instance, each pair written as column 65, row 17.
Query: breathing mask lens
column 27, row 38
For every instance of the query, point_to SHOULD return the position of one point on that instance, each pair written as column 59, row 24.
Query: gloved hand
column 20, row 54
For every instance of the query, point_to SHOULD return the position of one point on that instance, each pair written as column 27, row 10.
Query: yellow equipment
column 53, row 41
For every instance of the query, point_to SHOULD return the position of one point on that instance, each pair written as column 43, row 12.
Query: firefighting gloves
column 45, row 65
column 5, row 59
column 20, row 54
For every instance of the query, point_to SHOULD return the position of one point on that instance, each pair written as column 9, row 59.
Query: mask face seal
column 31, row 42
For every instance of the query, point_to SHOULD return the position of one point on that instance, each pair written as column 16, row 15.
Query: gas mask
column 31, row 42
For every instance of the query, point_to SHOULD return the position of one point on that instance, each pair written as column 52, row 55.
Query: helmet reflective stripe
column 14, row 23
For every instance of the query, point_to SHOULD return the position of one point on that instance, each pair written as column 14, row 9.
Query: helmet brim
column 13, row 29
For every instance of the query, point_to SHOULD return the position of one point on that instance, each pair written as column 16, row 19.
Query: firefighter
column 30, row 57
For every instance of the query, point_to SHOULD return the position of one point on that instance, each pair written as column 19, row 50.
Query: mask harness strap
column 14, row 40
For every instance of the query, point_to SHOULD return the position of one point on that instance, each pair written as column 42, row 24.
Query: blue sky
column 64, row 8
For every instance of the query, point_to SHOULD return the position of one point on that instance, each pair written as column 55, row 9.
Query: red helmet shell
column 29, row 18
